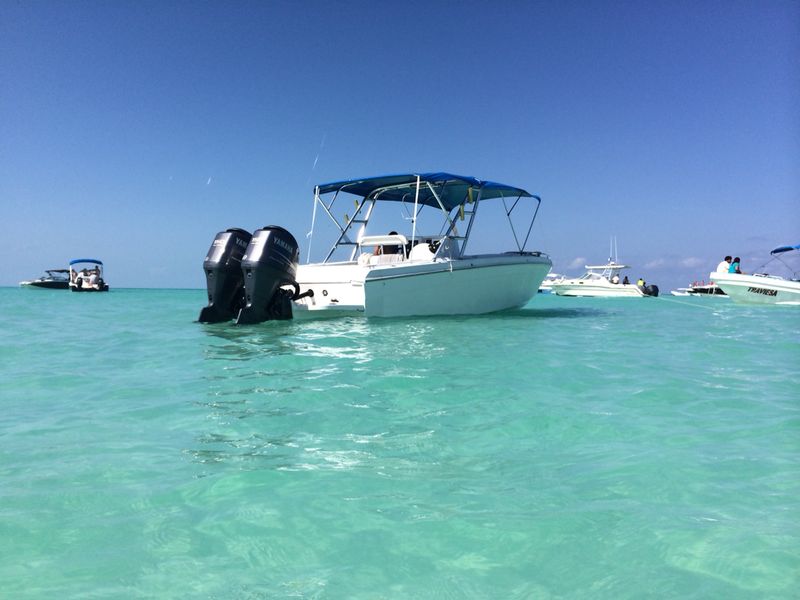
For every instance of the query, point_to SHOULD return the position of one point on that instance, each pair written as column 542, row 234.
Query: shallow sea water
column 576, row 448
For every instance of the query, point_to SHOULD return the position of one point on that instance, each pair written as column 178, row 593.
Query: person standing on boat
column 734, row 268
column 725, row 265
column 625, row 281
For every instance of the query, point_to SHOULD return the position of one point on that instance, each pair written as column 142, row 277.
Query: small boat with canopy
column 86, row 275
column 764, row 288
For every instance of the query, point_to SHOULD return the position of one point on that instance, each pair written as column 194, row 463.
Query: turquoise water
column 577, row 448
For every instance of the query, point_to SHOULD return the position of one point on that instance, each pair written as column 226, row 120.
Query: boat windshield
column 592, row 276
column 58, row 273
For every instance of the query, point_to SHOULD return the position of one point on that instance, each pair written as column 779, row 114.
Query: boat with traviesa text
column 761, row 287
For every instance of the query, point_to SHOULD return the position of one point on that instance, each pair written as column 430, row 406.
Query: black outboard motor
column 651, row 290
column 224, row 277
column 270, row 262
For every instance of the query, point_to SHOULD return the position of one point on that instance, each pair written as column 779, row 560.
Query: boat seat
column 384, row 259
column 421, row 252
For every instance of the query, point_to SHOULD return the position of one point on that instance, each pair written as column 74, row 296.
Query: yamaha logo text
column 282, row 244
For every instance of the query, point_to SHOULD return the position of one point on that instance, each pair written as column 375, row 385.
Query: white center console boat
column 256, row 278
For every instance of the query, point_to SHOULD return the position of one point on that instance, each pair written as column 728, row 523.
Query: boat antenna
column 316, row 158
column 316, row 194
column 612, row 249
column 414, row 220
column 310, row 234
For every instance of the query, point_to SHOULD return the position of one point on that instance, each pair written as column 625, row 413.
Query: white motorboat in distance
column 53, row 279
column 702, row 289
column 547, row 285
column 381, row 275
column 762, row 288
column 603, row 281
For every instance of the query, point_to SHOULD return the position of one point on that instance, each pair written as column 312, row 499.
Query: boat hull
column 758, row 289
column 82, row 289
column 475, row 285
column 47, row 285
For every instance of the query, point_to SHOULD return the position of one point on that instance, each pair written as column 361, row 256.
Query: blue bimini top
column 453, row 190
column 781, row 249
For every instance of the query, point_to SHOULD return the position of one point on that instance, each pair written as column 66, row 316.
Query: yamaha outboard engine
column 651, row 290
column 269, row 263
column 224, row 277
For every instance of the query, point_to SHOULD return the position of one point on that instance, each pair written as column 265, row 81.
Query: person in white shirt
column 724, row 265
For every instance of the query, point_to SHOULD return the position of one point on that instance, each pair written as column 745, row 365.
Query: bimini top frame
column 454, row 195
column 779, row 254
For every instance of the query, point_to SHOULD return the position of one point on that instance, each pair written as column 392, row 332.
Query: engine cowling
column 269, row 262
column 224, row 276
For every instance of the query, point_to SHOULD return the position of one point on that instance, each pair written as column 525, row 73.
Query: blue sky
column 134, row 131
